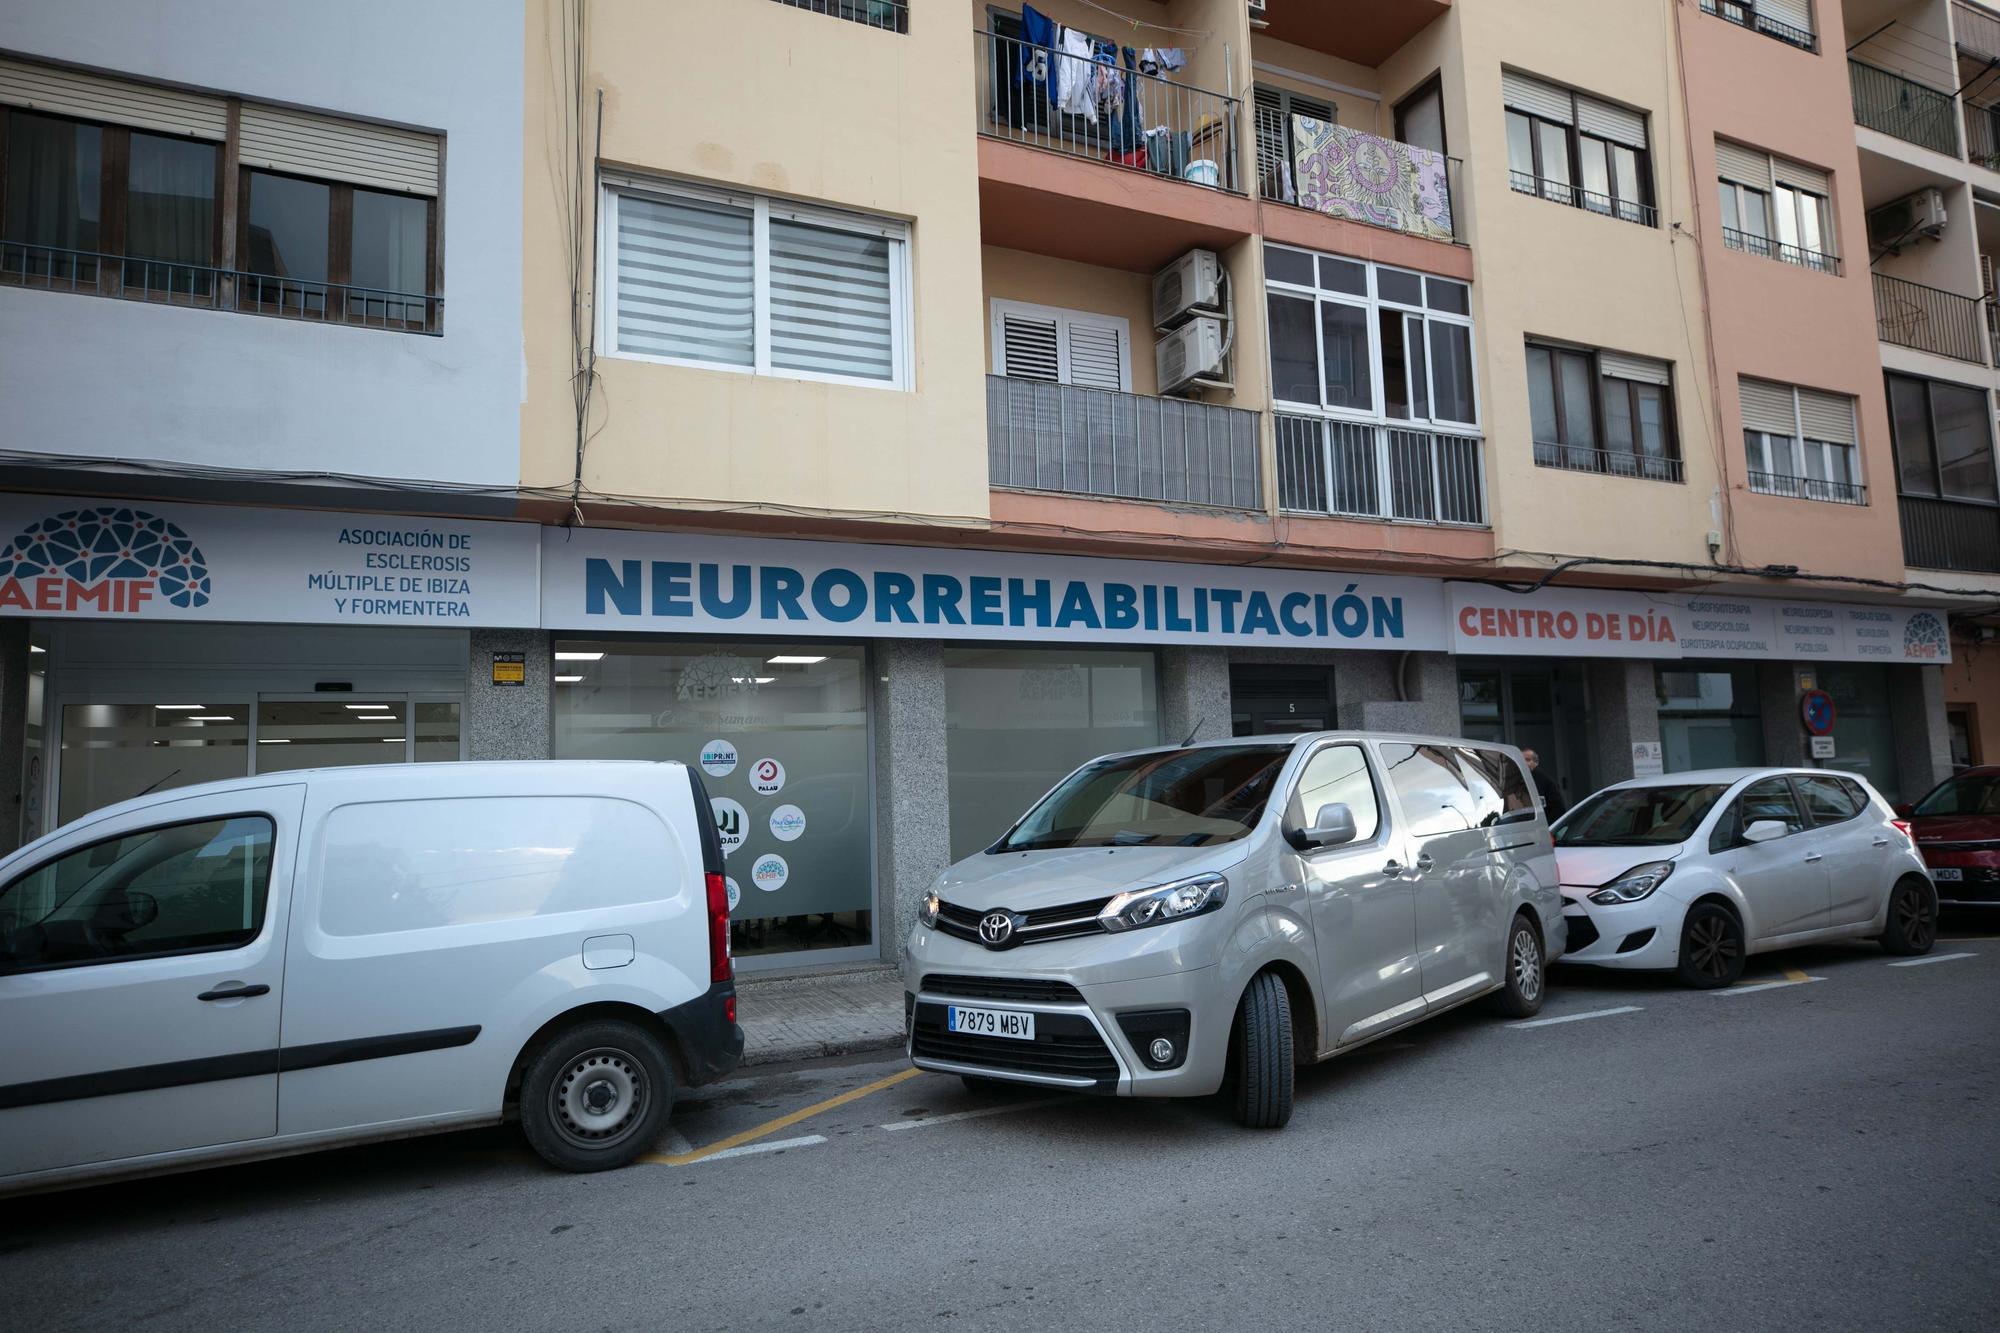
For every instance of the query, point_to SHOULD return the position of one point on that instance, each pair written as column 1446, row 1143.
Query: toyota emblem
column 995, row 929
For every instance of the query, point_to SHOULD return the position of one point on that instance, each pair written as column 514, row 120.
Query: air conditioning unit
column 1191, row 352
column 1190, row 284
column 1918, row 216
column 1257, row 13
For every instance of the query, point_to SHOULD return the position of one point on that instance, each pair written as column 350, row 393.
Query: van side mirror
column 126, row 909
column 1333, row 826
column 1763, row 830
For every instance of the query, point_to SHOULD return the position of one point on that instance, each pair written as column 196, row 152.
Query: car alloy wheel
column 1916, row 916
column 599, row 1098
column 1527, row 964
column 1713, row 945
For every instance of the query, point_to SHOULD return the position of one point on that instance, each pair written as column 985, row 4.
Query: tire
column 1263, row 1054
column 1527, row 971
column 595, row 1096
column 1913, row 915
column 1712, row 953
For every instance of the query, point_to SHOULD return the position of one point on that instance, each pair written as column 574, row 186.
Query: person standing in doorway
column 1553, row 804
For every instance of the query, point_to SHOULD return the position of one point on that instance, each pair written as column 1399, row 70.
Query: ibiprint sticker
column 718, row 759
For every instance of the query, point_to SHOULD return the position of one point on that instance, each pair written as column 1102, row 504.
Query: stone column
column 1778, row 700
column 912, row 804
column 1366, row 692
column 13, row 727
column 508, row 721
column 1194, row 694
column 1624, row 710
column 1923, row 739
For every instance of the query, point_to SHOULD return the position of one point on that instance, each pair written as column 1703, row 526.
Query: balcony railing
column 1562, row 192
column 161, row 282
column 1808, row 488
column 1950, row 534
column 1977, row 32
column 1610, row 462
column 1992, row 328
column 1127, row 446
column 894, row 15
column 1901, row 107
column 1910, row 314
column 1031, row 95
column 1744, row 15
column 1982, row 135
column 1363, row 470
column 1751, row 243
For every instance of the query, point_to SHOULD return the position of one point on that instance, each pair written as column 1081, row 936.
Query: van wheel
column 1527, row 974
column 596, row 1096
column 1263, row 1042
column 1712, row 953
column 1913, row 914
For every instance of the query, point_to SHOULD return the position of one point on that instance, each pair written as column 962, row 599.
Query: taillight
column 720, row 967
column 1904, row 827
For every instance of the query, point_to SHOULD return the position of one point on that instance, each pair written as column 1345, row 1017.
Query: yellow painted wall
column 1016, row 275
column 800, row 105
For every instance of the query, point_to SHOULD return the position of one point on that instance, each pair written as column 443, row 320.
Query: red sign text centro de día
column 1500, row 622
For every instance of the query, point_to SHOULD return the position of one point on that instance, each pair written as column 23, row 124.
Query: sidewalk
column 829, row 1013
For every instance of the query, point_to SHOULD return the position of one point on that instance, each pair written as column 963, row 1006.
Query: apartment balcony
column 1903, row 108
column 1976, row 31
column 1345, row 173
column 1103, row 165
column 1362, row 470
column 1944, row 534
column 1928, row 319
column 1744, row 14
column 1366, row 34
column 1042, row 436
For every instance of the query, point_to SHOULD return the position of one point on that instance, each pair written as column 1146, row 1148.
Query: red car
column 1957, row 828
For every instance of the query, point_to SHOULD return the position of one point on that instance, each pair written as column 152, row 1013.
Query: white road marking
column 1763, row 985
column 1934, row 958
column 770, row 1145
column 970, row 1115
column 1578, row 1018
column 675, row 1143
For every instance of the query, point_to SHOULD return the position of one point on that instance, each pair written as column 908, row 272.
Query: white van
column 288, row 962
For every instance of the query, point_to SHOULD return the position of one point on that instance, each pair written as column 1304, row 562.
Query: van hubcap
column 1527, row 965
column 600, row 1098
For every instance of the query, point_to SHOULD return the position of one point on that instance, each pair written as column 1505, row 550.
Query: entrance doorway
column 1531, row 707
column 1274, row 700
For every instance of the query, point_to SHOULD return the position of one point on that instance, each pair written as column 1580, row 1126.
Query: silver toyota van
column 1167, row 922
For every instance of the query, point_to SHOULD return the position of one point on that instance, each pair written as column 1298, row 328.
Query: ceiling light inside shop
column 368, row 708
column 36, row 648
column 211, row 717
column 752, row 680
column 579, row 657
column 568, row 680
column 795, row 661
column 274, row 740
column 178, row 708
column 392, row 740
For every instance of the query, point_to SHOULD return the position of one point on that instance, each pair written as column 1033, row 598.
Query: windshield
column 1173, row 798
column 1964, row 796
column 1639, row 816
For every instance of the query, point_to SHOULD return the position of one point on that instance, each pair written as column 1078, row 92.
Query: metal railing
column 1982, row 134
column 1929, row 319
column 163, row 282
column 1903, row 108
column 1750, row 242
column 893, row 15
column 1950, row 534
column 1744, row 15
column 1059, row 437
column 1365, row 470
column 1809, row 488
column 1992, row 327
column 1029, row 94
column 1976, row 31
column 1562, row 192
column 1610, row 462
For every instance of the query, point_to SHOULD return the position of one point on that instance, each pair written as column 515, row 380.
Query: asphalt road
column 1819, row 1154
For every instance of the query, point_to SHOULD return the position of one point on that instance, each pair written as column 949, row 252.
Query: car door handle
column 1881, row 842
column 1394, row 870
column 1812, row 856
column 234, row 992
column 1424, row 862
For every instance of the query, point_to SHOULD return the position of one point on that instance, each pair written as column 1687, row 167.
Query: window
column 1430, row 788
column 1772, row 798
column 1576, row 149
column 1789, row 21
column 1275, row 108
column 1829, row 800
column 892, row 15
column 1420, row 117
column 180, row 888
column 1801, row 443
column 1944, row 439
column 1062, row 346
column 1639, row 816
column 1499, row 785
column 1595, row 411
column 1776, row 208
column 117, row 189
column 1185, row 798
column 738, row 282
column 1338, row 775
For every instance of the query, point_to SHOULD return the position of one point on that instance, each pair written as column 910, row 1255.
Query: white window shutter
column 1743, row 166
column 1619, row 366
column 143, row 106
column 1615, row 123
column 685, row 280
column 1801, row 177
column 1096, row 355
column 1827, row 416
column 1767, row 407
column 831, row 299
column 1029, row 347
column 1524, row 92
column 330, row 148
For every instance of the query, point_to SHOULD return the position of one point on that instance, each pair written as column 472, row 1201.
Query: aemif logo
column 1924, row 638
column 111, row 559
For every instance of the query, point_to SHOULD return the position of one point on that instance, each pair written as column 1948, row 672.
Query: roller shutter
column 1792, row 13
column 1606, row 121
column 1801, row 177
column 1644, row 369
column 142, row 106
column 1524, row 92
column 330, row 148
column 1767, row 407
column 1744, row 166
column 1827, row 416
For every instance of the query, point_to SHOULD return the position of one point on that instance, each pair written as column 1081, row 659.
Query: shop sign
column 98, row 559
column 1575, row 622
column 619, row 580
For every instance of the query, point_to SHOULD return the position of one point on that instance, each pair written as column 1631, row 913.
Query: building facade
column 900, row 404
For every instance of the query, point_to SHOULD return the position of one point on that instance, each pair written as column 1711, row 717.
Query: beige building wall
column 1016, row 275
column 842, row 115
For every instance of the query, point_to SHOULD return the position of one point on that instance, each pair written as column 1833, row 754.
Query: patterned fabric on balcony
column 1349, row 174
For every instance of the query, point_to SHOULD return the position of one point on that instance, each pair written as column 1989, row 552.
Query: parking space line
column 771, row 1145
column 970, row 1115
column 1794, row 974
column 769, row 1127
column 1578, row 1018
column 1764, row 985
column 1934, row 958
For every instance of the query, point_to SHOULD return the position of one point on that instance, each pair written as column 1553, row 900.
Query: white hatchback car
column 1695, row 871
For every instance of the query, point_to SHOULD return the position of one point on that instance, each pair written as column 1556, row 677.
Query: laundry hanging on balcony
column 1032, row 56
column 1346, row 173
column 1076, row 75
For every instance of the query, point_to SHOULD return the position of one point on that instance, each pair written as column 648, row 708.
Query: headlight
column 927, row 910
column 1634, row 884
column 1169, row 902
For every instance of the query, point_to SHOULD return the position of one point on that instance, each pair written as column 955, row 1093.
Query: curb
column 815, row 1050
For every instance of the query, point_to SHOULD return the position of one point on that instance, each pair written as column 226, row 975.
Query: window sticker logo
column 718, row 759
column 731, row 822
column 110, row 559
column 1924, row 638
column 767, row 777
column 735, row 893
column 787, row 823
column 770, row 872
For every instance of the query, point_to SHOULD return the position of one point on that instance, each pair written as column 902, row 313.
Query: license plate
column 1947, row 874
column 990, row 1022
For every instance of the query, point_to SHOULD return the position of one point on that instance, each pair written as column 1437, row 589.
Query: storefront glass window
column 1864, row 738
column 780, row 732
column 1709, row 718
column 330, row 733
column 113, row 752
column 437, row 732
column 1019, row 720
